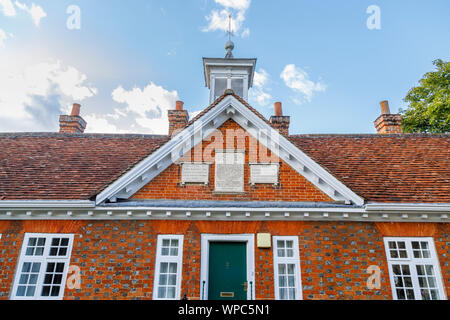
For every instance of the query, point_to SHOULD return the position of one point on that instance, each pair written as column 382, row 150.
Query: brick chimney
column 388, row 123
column 73, row 123
column 178, row 118
column 280, row 122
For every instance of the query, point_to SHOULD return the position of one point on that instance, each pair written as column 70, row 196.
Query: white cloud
column 98, row 124
column 235, row 4
column 258, row 92
column 36, row 12
column 3, row 37
column 34, row 96
column 7, row 8
column 149, row 106
column 245, row 33
column 218, row 19
column 298, row 80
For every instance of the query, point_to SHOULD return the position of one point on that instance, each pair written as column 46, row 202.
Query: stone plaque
column 194, row 173
column 264, row 173
column 229, row 172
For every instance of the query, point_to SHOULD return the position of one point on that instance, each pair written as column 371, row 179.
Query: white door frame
column 249, row 239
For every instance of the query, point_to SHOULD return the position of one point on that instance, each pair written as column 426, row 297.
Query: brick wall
column 292, row 187
column 117, row 258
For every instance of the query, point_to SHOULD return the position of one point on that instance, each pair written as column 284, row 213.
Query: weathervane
column 229, row 46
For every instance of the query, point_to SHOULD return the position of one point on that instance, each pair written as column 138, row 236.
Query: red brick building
column 228, row 205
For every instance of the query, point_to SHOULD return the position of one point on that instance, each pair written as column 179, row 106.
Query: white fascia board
column 422, row 207
column 221, row 214
column 245, row 118
column 47, row 204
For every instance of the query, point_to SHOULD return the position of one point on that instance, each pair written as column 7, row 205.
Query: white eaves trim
column 408, row 207
column 222, row 214
column 29, row 204
column 228, row 108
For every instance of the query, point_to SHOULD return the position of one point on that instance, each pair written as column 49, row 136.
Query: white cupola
column 228, row 73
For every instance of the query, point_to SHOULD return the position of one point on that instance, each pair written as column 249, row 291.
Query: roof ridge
column 370, row 135
column 84, row 135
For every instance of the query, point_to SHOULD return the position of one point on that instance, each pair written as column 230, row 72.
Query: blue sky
column 131, row 60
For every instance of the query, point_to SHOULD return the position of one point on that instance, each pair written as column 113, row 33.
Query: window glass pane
column 291, row 281
column 434, row 294
column 237, row 85
column 173, row 268
column 161, row 292
column 282, row 269
column 163, row 279
column 282, row 281
column 283, row 294
column 396, row 269
column 59, row 247
column 172, row 280
column 220, row 85
column 291, row 268
column 35, row 247
column 23, row 279
column 429, row 269
column 30, row 291
column 171, row 292
column 291, row 293
column 21, row 291
column 405, row 269
column 410, row 294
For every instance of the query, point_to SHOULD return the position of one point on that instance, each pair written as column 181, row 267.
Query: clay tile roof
column 53, row 166
column 413, row 168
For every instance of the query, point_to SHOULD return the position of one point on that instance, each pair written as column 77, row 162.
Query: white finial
column 229, row 46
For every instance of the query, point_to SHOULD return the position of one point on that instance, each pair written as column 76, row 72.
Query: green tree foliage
column 429, row 103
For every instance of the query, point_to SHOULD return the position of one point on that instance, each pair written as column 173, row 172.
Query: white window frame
column 44, row 259
column 169, row 259
column 412, row 262
column 287, row 260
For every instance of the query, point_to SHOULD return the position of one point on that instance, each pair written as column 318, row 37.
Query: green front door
column 227, row 271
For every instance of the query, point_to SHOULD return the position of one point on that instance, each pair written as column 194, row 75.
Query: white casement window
column 42, row 269
column 169, row 261
column 414, row 269
column 287, row 268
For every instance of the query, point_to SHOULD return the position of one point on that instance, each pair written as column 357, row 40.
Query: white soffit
column 228, row 108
